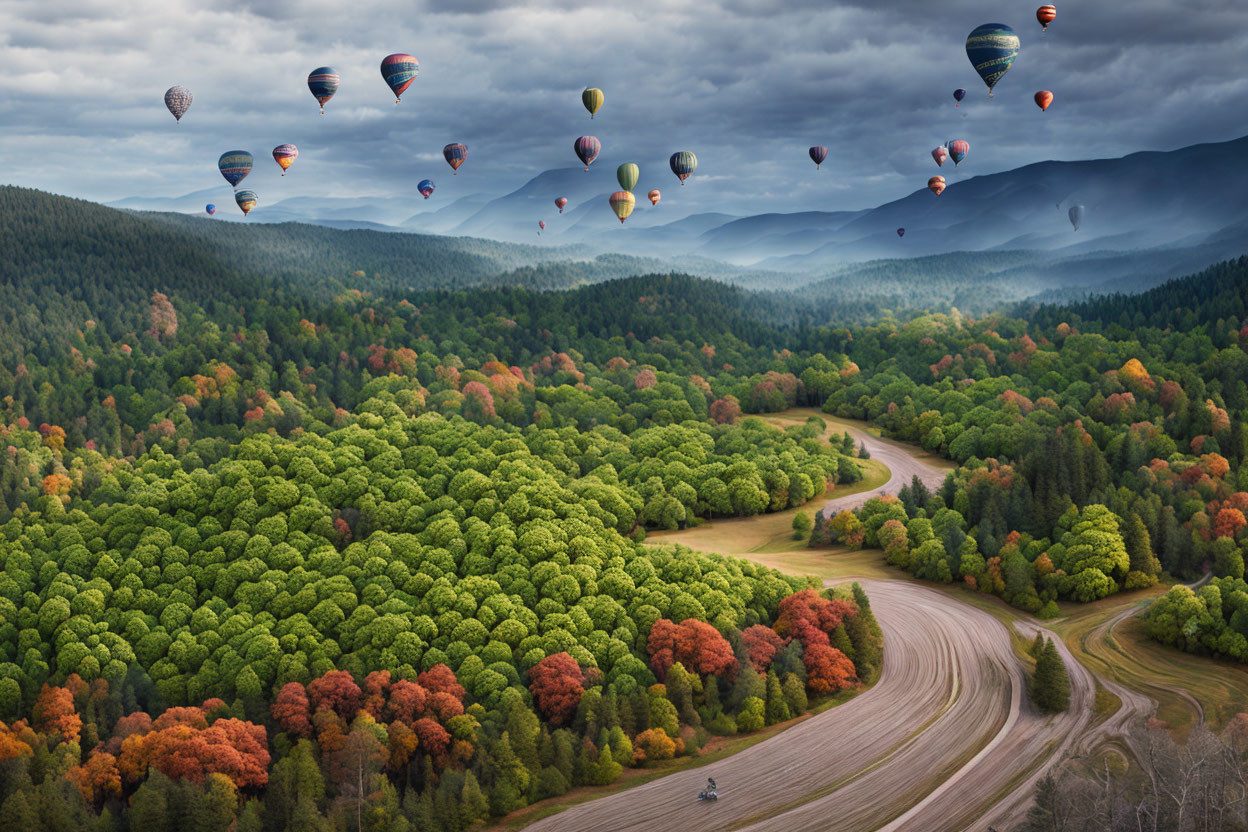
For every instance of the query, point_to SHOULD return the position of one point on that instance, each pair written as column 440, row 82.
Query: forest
column 330, row 548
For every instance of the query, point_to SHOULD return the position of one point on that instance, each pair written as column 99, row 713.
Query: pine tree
column 1140, row 548
column 1050, row 685
column 777, row 707
column 863, row 453
column 1037, row 646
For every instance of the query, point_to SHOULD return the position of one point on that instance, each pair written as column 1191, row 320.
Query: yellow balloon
column 622, row 203
column 592, row 98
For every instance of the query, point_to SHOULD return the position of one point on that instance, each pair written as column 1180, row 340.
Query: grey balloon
column 1076, row 216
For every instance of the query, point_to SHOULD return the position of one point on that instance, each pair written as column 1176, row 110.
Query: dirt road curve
column 946, row 740
column 902, row 464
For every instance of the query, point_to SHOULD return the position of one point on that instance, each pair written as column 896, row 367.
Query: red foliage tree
column 376, row 684
column 54, row 713
column 828, row 670
column 811, row 617
column 292, row 711
column 695, row 644
column 1228, row 522
column 335, row 691
column 726, row 411
column 434, row 739
column 557, row 684
column 407, row 701
column 237, row 749
column 441, row 679
column 194, row 717
column 98, row 778
column 761, row 644
column 478, row 401
column 444, row 705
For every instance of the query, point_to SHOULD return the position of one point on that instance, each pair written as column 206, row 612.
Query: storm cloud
column 746, row 85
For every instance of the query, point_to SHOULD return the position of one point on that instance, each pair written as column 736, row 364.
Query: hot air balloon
column 1076, row 216
column 560, row 202
column 958, row 150
column 683, row 163
column 246, row 200
column 425, row 187
column 178, row 99
column 541, row 226
column 817, row 154
column 455, row 154
column 323, row 81
column 901, row 232
column 592, row 98
column 627, row 175
column 1043, row 99
column 622, row 203
column 285, row 155
column 655, row 196
column 940, row 154
column 958, row 95
column 936, row 185
column 399, row 70
column 992, row 49
column 210, row 208
column 235, row 165
column 1046, row 14
column 587, row 149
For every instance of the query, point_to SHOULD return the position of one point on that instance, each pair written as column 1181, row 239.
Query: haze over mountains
column 1149, row 216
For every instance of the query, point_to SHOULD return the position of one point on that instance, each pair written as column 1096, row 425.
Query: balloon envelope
column 901, row 232
column 627, row 175
column 587, row 149
column 1046, row 14
column 1043, row 99
column 1076, row 216
column 655, row 196
column 936, row 185
column 285, row 155
column 235, row 165
column 210, row 208
column 541, row 224
column 246, row 200
column 992, row 49
column 683, row 164
column 940, row 154
column 399, row 71
column 958, row 95
column 323, row 82
column 455, row 154
column 560, row 202
column 622, row 203
column 592, row 98
column 425, row 187
column 178, row 100
column 958, row 150
column 817, row 154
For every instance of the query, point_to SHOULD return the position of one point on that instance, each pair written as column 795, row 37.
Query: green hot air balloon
column 992, row 49
column 592, row 98
column 628, row 174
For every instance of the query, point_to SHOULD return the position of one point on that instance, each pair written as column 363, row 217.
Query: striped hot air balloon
column 992, row 49
column 683, row 164
column 1043, row 99
column 592, row 98
column 178, row 99
column 587, row 149
column 655, row 196
column 560, row 202
column 817, row 154
column 425, row 187
column 455, row 154
column 235, row 165
column 941, row 155
column 936, row 185
column 627, row 175
column 246, row 200
column 323, row 82
column 958, row 150
column 1046, row 14
column 399, row 71
column 622, row 203
column 285, row 156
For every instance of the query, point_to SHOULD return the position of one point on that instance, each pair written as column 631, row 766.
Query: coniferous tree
column 1050, row 685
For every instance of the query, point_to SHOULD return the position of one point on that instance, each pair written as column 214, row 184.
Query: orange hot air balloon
column 655, row 196
column 936, row 185
column 1046, row 14
column 1043, row 99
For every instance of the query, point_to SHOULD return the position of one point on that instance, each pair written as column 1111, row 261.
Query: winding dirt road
column 945, row 740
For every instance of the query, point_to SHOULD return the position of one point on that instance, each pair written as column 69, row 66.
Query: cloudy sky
column 746, row 84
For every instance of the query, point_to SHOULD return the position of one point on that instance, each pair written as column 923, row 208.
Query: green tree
column 1050, row 685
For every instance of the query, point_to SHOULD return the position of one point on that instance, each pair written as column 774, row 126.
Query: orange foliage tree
column 695, row 644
